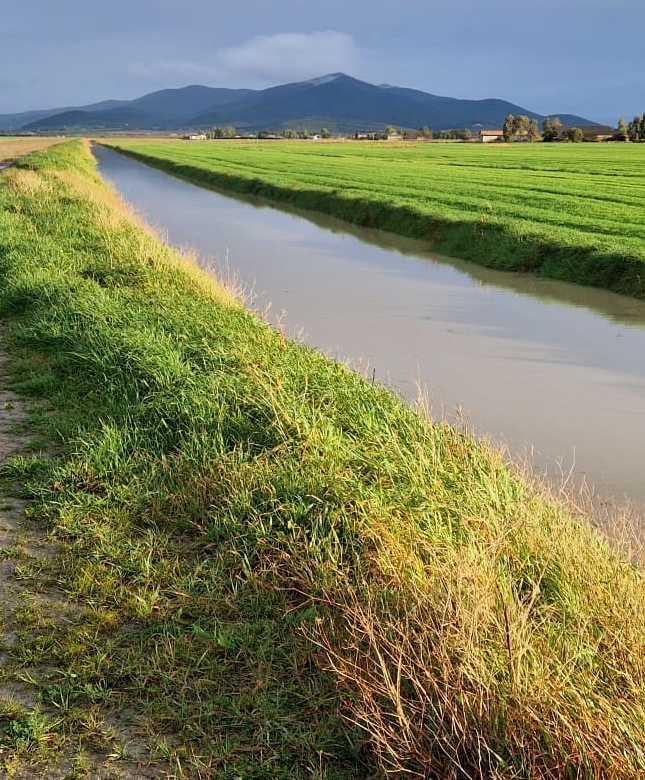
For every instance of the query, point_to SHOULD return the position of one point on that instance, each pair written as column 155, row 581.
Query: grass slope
column 276, row 562
column 568, row 211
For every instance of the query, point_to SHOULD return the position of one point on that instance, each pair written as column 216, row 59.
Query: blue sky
column 580, row 56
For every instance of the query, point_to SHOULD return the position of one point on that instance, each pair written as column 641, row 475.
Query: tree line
column 516, row 128
column 522, row 128
column 634, row 131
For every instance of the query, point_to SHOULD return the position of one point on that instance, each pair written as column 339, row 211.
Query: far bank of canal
column 532, row 362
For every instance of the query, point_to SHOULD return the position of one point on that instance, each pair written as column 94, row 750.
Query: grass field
column 276, row 568
column 568, row 211
column 13, row 148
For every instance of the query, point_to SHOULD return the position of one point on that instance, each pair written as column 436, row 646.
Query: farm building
column 599, row 133
column 491, row 136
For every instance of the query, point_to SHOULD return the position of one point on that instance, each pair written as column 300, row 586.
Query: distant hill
column 19, row 121
column 336, row 100
column 166, row 109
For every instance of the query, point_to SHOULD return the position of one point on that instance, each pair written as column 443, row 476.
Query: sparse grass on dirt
column 280, row 568
column 574, row 212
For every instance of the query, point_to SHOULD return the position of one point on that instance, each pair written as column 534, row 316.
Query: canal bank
column 554, row 370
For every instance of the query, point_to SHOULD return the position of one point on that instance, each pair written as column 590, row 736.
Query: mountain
column 19, row 121
column 346, row 103
column 162, row 110
column 336, row 100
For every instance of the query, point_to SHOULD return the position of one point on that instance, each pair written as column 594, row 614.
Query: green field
column 568, row 211
column 271, row 566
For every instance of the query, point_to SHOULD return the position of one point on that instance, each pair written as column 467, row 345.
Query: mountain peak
column 326, row 79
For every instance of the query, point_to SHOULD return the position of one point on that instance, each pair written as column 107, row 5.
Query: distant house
column 368, row 136
column 491, row 136
column 391, row 134
column 598, row 133
column 195, row 137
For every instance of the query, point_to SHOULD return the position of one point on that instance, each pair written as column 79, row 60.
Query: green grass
column 283, row 568
column 568, row 211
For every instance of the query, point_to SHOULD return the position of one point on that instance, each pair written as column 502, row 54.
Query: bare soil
column 23, row 542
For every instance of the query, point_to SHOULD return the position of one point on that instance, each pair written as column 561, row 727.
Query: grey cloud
column 263, row 60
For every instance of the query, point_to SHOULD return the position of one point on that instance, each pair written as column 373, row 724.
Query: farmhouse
column 195, row 137
column 599, row 133
column 490, row 136
column 368, row 136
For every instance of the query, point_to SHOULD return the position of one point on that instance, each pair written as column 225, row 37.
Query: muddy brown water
column 551, row 369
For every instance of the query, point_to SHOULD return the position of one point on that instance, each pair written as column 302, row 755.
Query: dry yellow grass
column 13, row 148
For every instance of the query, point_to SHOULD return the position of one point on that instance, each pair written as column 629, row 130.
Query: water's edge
column 531, row 360
column 466, row 240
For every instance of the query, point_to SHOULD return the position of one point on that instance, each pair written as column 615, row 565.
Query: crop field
column 13, row 148
column 569, row 211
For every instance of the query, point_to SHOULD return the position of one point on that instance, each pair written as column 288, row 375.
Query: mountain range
column 337, row 101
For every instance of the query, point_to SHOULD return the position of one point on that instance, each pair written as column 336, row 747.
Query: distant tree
column 533, row 131
column 635, row 129
column 574, row 135
column 222, row 132
column 518, row 128
column 623, row 131
column 425, row 132
column 325, row 133
column 288, row 133
column 521, row 126
column 552, row 129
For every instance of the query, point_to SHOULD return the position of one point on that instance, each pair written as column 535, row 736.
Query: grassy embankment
column 574, row 212
column 274, row 560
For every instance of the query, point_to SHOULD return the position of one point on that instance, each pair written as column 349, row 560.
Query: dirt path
column 34, row 742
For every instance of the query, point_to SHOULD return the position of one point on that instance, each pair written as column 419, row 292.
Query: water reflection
column 533, row 362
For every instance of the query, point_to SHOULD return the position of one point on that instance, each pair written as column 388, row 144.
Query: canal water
column 553, row 370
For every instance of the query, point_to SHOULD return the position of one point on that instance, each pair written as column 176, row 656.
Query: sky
column 555, row 56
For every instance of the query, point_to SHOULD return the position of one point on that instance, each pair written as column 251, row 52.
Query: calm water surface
column 538, row 364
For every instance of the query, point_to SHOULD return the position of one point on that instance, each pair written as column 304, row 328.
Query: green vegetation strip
column 284, row 568
column 567, row 211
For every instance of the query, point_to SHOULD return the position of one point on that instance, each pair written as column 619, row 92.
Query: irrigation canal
column 554, row 370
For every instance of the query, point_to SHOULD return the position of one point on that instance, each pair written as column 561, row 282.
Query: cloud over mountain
column 264, row 60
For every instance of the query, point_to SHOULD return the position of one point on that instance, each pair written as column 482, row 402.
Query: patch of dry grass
column 15, row 148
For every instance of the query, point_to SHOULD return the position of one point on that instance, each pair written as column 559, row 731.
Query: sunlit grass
column 286, row 569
